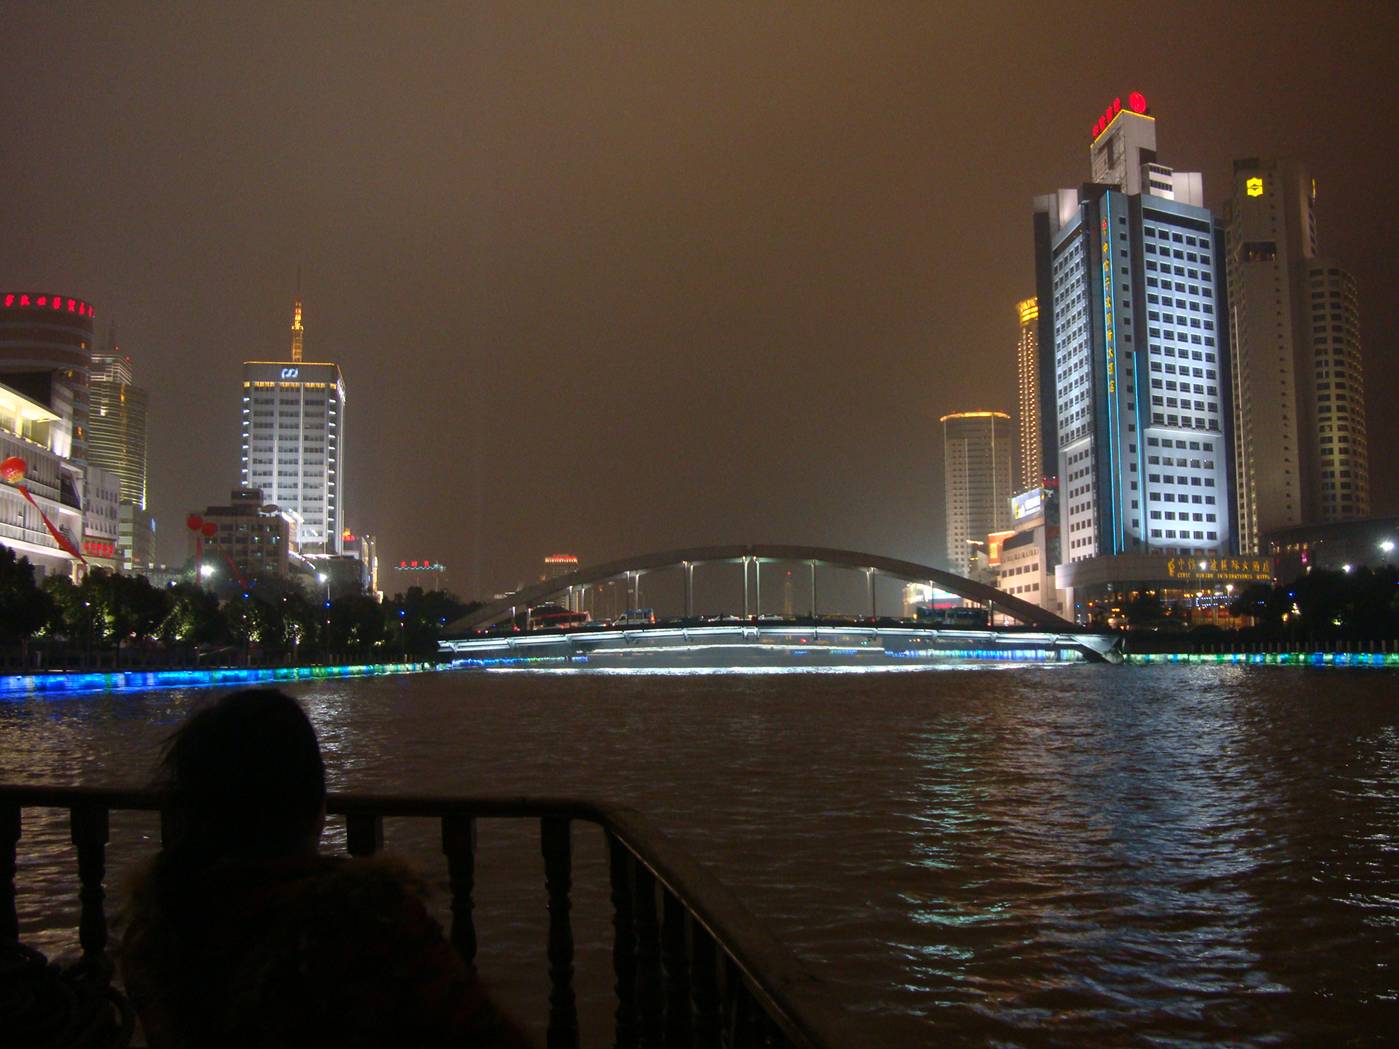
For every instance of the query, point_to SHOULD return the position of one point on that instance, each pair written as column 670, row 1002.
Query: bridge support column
column 757, row 586
column 689, row 588
column 745, row 588
column 812, row 565
column 869, row 585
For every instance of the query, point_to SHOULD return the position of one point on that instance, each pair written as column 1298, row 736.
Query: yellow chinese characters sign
column 1221, row 569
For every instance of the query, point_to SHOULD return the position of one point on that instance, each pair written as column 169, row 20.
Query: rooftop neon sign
column 1136, row 103
column 16, row 300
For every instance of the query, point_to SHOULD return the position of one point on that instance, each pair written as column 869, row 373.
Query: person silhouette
column 242, row 934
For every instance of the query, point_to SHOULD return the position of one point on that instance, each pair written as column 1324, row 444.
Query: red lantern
column 13, row 470
column 209, row 529
column 194, row 522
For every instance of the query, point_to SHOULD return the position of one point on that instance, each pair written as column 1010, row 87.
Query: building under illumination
column 1027, row 372
column 32, row 431
column 1139, row 340
column 1026, row 559
column 293, row 430
column 117, row 423
column 977, row 480
column 1299, row 405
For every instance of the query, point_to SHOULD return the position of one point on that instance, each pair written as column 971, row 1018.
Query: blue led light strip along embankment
column 1281, row 659
column 29, row 684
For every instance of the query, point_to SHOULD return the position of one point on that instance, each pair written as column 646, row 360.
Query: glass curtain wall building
column 977, row 475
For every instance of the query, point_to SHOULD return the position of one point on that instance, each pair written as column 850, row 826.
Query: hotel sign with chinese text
column 1210, row 570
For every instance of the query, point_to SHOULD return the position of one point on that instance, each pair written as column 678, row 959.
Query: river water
column 1019, row 856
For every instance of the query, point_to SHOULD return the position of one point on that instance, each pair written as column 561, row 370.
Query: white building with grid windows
column 1140, row 350
column 293, row 433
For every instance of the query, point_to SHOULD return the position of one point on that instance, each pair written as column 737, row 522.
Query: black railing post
column 9, row 844
column 704, row 989
column 677, row 972
column 621, row 864
column 89, row 826
column 459, row 844
column 650, row 989
column 364, row 833
column 556, row 840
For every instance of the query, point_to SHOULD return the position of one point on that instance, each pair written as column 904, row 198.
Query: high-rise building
column 1141, row 372
column 293, row 428
column 1299, row 408
column 977, row 478
column 117, row 423
column 1138, row 338
column 1027, row 373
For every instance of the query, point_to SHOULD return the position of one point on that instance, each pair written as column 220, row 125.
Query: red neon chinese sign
column 1136, row 103
column 18, row 300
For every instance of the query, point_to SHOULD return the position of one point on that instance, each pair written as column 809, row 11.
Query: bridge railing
column 691, row 964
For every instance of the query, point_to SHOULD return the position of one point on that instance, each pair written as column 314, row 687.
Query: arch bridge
column 632, row 568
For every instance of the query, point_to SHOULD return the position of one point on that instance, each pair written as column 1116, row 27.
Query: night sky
column 615, row 278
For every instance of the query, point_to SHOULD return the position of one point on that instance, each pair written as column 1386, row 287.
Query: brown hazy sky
column 636, row 275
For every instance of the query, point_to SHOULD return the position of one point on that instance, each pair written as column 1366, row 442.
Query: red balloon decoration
column 13, row 470
column 194, row 522
column 209, row 529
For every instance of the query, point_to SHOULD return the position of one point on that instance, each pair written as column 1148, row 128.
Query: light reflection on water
column 1035, row 856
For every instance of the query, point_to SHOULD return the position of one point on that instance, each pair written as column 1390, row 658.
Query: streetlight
column 206, row 571
column 1387, row 546
column 326, row 580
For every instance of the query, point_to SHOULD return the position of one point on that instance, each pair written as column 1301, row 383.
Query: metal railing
column 692, row 966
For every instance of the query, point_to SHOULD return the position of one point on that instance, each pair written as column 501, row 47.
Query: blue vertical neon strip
column 1110, row 352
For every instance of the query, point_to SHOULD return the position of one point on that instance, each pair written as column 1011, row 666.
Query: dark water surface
column 1021, row 856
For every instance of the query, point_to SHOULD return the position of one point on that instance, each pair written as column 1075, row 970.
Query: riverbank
column 28, row 684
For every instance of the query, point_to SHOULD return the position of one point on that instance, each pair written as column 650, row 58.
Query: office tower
column 1139, row 342
column 293, row 429
column 977, row 478
column 1027, row 375
column 117, row 423
column 1299, row 410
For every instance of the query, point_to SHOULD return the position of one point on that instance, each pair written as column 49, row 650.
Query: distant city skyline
column 639, row 277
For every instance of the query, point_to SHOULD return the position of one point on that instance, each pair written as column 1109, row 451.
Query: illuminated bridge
column 811, row 640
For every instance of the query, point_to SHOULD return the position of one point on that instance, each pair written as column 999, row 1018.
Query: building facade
column 117, row 424
column 33, row 433
column 977, row 485
column 46, row 355
column 1299, row 410
column 293, row 432
column 252, row 539
column 1028, row 556
column 1027, row 373
column 1139, row 343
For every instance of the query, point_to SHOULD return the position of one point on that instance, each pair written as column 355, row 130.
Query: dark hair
column 242, row 778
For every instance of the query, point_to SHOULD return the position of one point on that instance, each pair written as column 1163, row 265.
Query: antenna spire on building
column 296, row 330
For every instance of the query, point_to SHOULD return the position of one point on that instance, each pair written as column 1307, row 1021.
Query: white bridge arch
column 686, row 560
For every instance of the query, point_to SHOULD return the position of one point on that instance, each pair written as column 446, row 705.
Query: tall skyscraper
column 293, row 427
column 1140, row 373
column 1027, row 373
column 977, row 478
column 117, row 422
column 1299, row 408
